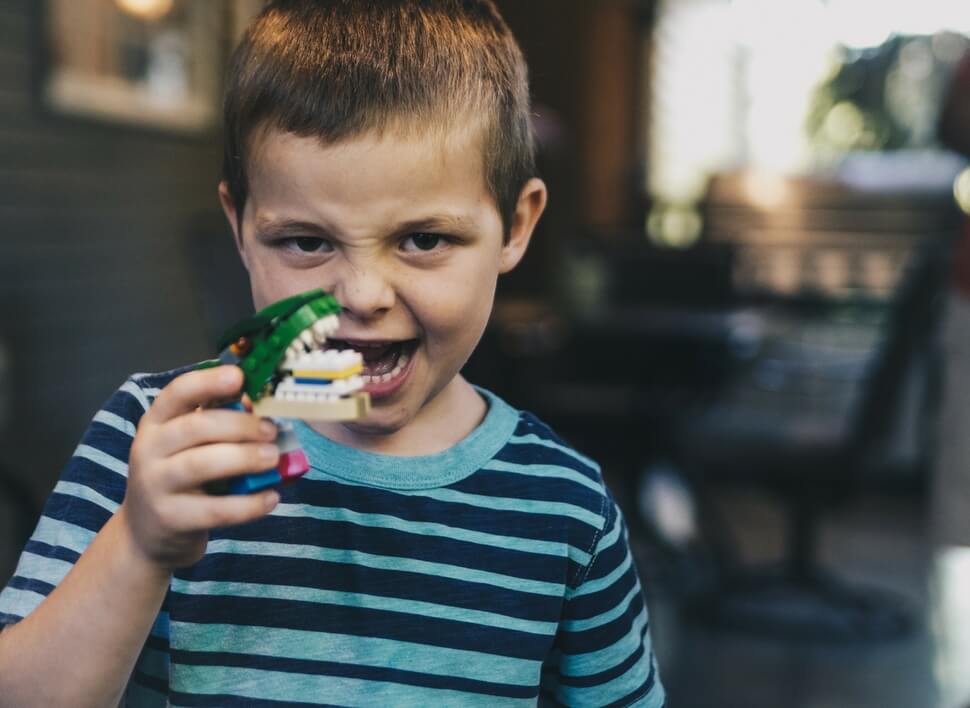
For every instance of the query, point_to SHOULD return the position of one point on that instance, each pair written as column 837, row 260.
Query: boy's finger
column 198, row 512
column 192, row 468
column 193, row 389
column 202, row 427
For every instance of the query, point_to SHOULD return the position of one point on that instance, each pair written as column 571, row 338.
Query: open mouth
column 384, row 362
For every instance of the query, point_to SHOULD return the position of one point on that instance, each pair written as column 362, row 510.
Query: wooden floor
column 880, row 543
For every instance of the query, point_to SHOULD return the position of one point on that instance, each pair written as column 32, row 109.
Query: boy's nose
column 363, row 292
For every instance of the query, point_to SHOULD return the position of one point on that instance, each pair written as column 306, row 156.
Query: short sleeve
column 603, row 654
column 89, row 491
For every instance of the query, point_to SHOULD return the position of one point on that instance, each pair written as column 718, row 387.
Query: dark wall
column 95, row 222
column 585, row 61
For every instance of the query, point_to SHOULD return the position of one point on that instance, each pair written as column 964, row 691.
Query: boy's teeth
column 402, row 361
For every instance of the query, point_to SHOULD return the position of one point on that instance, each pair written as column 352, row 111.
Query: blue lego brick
column 250, row 483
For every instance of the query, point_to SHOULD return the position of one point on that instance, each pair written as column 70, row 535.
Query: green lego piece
column 269, row 333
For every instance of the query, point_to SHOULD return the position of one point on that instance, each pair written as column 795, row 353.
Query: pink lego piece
column 293, row 464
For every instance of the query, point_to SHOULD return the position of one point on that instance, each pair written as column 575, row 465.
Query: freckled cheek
column 271, row 283
column 454, row 317
column 265, row 286
column 259, row 285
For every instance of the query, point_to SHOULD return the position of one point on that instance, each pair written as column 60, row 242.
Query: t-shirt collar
column 331, row 459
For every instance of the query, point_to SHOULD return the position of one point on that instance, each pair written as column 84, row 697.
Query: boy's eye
column 422, row 242
column 308, row 244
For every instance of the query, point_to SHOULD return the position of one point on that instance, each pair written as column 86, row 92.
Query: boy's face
column 404, row 233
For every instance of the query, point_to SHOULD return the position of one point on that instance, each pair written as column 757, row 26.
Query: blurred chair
column 811, row 459
column 635, row 338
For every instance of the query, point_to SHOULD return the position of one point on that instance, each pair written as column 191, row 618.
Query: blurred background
column 749, row 299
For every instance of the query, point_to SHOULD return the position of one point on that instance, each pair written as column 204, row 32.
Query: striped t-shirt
column 495, row 573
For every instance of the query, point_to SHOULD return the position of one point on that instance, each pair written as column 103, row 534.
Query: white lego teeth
column 305, row 351
column 326, row 326
column 314, row 337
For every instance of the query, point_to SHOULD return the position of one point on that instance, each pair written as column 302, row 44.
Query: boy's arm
column 78, row 647
column 603, row 654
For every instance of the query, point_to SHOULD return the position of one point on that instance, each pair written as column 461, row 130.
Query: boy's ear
column 531, row 204
column 229, row 209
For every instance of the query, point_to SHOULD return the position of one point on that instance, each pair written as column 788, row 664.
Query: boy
column 446, row 549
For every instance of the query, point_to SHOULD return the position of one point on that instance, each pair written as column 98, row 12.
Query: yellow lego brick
column 329, row 375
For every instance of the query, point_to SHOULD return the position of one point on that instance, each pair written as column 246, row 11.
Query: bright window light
column 146, row 9
column 735, row 80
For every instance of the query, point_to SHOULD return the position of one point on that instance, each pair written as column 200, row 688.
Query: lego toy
column 289, row 373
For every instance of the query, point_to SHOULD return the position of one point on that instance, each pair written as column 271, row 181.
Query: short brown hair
column 335, row 69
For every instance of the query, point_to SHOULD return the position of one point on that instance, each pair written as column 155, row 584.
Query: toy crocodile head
column 288, row 371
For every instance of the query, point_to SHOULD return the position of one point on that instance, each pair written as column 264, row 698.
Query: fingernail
column 267, row 428
column 269, row 452
column 271, row 499
column 229, row 375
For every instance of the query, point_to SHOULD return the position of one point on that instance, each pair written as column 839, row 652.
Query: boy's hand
column 178, row 448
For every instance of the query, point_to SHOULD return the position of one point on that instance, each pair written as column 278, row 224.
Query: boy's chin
column 370, row 428
column 374, row 431
column 386, row 427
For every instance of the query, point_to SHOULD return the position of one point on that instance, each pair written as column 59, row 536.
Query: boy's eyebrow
column 283, row 227
column 289, row 226
column 443, row 222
